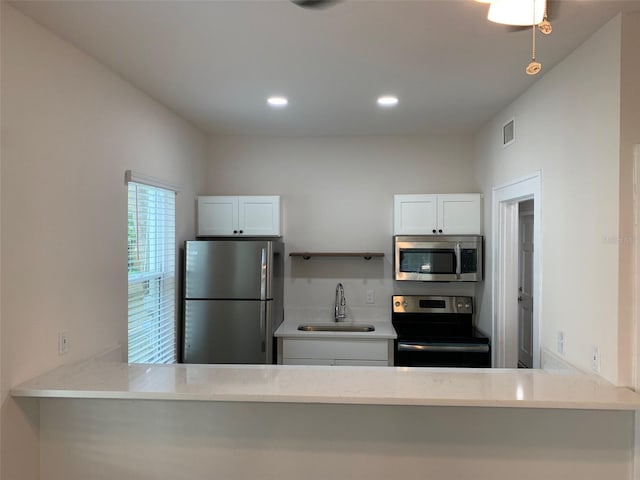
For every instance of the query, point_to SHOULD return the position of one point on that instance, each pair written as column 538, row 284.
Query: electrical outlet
column 370, row 297
column 63, row 343
column 560, row 346
column 595, row 359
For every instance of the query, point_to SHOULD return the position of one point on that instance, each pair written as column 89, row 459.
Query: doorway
column 525, row 283
column 516, row 273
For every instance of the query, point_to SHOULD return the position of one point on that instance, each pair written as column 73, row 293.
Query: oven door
column 443, row 354
column 438, row 259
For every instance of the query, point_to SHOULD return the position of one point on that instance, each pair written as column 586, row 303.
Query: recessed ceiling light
column 277, row 101
column 387, row 101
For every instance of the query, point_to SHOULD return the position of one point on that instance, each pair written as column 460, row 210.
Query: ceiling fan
column 544, row 26
column 523, row 14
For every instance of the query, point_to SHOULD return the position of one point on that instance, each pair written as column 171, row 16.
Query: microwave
column 438, row 258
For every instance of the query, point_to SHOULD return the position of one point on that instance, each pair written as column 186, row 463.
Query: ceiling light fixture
column 387, row 101
column 517, row 12
column 277, row 101
column 522, row 13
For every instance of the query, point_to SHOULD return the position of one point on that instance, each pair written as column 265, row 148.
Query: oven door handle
column 445, row 347
column 458, row 261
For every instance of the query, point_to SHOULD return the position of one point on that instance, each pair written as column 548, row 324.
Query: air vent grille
column 508, row 133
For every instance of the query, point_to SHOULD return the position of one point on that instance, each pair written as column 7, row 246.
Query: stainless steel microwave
column 438, row 258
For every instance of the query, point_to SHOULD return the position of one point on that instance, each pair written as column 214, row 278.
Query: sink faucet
column 340, row 303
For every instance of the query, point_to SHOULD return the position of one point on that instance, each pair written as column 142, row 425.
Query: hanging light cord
column 533, row 49
column 534, row 67
column 533, row 34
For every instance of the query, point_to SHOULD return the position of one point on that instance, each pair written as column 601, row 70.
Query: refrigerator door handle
column 263, row 274
column 264, row 329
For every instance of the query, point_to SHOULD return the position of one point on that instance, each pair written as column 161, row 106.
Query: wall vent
column 508, row 133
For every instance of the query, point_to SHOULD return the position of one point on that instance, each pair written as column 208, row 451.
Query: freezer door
column 227, row 331
column 228, row 269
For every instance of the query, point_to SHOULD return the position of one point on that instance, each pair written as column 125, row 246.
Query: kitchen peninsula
column 317, row 422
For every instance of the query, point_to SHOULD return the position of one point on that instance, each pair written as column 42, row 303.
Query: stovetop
column 442, row 319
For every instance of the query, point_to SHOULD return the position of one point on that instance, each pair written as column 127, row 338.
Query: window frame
column 159, row 282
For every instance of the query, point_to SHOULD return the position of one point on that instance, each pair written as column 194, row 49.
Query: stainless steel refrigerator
column 233, row 300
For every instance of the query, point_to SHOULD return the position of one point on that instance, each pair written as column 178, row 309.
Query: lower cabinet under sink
column 335, row 351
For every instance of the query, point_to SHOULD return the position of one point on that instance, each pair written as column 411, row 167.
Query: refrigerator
column 233, row 293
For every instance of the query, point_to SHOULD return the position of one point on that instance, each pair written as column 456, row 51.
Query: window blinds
column 151, row 274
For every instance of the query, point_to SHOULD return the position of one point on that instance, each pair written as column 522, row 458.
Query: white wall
column 337, row 195
column 239, row 441
column 70, row 129
column 568, row 126
column 629, row 138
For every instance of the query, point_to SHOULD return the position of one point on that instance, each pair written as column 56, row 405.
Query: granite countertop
column 331, row 385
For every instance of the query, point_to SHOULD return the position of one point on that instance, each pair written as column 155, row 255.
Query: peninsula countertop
column 331, row 385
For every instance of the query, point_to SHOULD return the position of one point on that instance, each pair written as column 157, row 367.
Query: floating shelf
column 308, row 255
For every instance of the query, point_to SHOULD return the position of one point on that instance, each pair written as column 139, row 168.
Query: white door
column 525, row 287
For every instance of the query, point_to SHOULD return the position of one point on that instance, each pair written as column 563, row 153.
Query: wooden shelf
column 308, row 255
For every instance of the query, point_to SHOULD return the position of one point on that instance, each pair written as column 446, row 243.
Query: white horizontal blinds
column 152, row 279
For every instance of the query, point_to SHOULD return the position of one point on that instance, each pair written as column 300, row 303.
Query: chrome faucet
column 340, row 303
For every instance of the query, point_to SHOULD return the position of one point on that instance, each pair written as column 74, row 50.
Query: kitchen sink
column 337, row 327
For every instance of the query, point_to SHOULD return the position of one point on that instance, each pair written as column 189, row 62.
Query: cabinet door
column 415, row 214
column 259, row 215
column 325, row 349
column 217, row 215
column 459, row 214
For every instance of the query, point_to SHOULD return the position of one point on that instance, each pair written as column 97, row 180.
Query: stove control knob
column 459, row 304
column 467, row 305
column 397, row 304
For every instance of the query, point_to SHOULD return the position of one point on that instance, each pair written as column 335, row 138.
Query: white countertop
column 289, row 329
column 330, row 385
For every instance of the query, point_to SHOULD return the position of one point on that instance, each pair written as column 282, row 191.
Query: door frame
column 636, row 305
column 636, row 271
column 505, row 266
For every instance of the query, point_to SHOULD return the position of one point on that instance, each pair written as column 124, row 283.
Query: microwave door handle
column 458, row 261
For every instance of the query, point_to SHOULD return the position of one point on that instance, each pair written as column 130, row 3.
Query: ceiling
column 215, row 62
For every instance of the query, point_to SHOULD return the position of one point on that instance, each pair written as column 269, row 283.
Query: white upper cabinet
column 251, row 216
column 459, row 213
column 428, row 214
column 415, row 214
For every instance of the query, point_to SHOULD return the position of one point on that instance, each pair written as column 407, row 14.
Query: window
column 151, row 273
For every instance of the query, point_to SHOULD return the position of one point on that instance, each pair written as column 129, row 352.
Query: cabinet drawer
column 307, row 361
column 362, row 363
column 356, row 349
column 332, row 362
